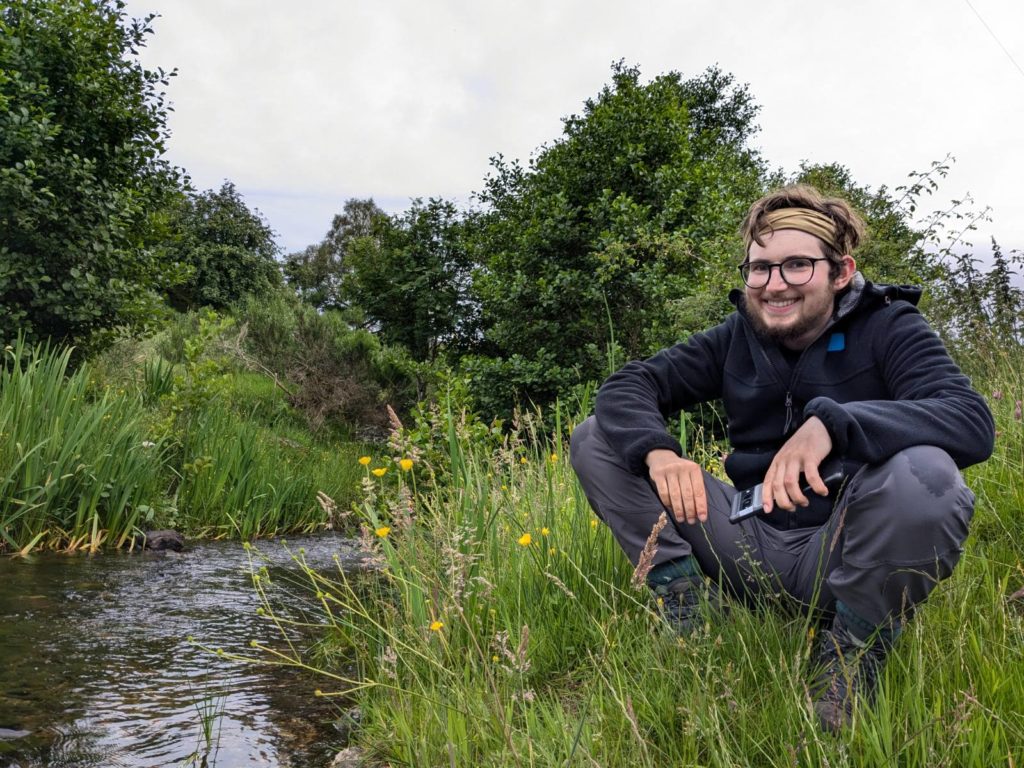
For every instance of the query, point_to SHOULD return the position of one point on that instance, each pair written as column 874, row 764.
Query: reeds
column 75, row 471
column 86, row 464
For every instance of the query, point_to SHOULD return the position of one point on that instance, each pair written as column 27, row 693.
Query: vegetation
column 498, row 626
column 82, row 173
column 229, row 251
column 95, row 457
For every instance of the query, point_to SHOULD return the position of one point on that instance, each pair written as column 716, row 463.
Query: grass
column 75, row 471
column 91, row 457
column 501, row 630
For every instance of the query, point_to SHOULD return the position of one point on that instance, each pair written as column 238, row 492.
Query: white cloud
column 306, row 104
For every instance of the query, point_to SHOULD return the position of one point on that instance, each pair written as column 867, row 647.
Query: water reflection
column 96, row 668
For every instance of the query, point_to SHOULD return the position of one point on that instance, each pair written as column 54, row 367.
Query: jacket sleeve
column 932, row 401
column 632, row 404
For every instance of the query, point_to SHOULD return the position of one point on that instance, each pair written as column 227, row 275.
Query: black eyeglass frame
column 744, row 269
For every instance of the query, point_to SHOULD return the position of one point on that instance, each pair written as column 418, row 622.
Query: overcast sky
column 307, row 103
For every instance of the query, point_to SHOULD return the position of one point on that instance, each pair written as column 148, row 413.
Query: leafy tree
column 229, row 249
column 892, row 251
column 82, row 133
column 316, row 272
column 607, row 245
column 411, row 278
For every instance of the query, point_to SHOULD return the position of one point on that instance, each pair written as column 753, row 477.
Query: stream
column 97, row 669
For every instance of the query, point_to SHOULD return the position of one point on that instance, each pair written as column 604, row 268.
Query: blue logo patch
column 837, row 342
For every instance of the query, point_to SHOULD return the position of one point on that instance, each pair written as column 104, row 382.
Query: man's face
column 794, row 315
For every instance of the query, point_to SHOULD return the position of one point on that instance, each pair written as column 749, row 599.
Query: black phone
column 751, row 501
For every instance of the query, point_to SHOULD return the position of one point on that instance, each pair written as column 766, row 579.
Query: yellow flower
column 552, row 551
column 494, row 658
column 554, row 457
column 405, row 464
column 524, row 540
column 545, row 531
column 383, row 531
column 593, row 523
column 523, row 460
column 435, row 626
column 364, row 460
column 379, row 471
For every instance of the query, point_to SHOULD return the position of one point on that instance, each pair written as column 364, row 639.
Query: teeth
column 785, row 303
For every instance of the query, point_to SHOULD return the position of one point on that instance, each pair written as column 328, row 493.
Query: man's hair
column 849, row 226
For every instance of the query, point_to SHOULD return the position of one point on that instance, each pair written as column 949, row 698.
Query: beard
column 810, row 318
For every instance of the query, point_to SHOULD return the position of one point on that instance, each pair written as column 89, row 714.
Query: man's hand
column 680, row 484
column 803, row 452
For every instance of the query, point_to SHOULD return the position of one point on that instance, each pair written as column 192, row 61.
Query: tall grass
column 501, row 630
column 92, row 457
column 244, row 481
column 74, row 471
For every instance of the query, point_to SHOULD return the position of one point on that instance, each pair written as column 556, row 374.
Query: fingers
column 801, row 454
column 815, row 482
column 680, row 486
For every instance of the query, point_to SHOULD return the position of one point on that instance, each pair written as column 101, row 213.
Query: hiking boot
column 682, row 602
column 850, row 669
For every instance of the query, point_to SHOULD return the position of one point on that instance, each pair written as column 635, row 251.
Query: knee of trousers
column 912, row 510
column 590, row 455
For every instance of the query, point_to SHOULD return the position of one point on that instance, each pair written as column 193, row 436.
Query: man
column 816, row 367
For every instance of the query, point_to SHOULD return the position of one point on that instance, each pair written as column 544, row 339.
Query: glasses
column 797, row 270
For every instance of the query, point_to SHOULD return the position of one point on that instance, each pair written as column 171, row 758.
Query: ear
column 847, row 268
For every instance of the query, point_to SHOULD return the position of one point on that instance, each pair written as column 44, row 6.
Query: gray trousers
column 896, row 530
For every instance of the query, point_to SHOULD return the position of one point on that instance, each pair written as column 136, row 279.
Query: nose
column 775, row 281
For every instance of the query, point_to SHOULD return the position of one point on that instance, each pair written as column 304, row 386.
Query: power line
column 998, row 41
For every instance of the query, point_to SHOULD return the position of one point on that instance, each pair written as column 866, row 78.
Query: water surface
column 97, row 669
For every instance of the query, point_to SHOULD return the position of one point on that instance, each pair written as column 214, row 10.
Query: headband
column 803, row 219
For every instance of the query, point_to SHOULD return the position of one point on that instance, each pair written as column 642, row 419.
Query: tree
column 229, row 249
column 316, row 272
column 82, row 133
column 594, row 251
column 411, row 278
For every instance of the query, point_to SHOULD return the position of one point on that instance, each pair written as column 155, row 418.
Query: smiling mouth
column 780, row 303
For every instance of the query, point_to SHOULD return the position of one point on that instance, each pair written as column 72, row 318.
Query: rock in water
column 349, row 757
column 162, row 541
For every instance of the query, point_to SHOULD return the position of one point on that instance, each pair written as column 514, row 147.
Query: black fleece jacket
column 879, row 378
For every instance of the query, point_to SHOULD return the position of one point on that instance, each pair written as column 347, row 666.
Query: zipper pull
column 789, row 413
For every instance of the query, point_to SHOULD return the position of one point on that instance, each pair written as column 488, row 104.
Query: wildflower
column 553, row 458
column 494, row 658
column 435, row 626
column 405, row 464
column 552, row 551
column 525, row 539
column 523, row 460
column 364, row 460
column 379, row 471
column 383, row 531
column 148, row 444
column 997, row 394
column 593, row 523
column 545, row 531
